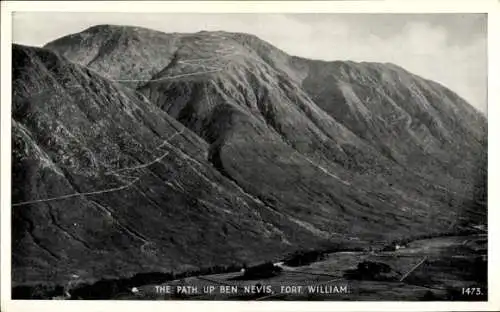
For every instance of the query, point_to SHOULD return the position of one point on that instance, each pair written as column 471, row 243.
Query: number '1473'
column 470, row 291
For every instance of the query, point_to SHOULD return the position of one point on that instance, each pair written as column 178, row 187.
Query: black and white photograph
column 249, row 156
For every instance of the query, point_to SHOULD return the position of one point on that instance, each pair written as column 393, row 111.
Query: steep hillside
column 414, row 121
column 417, row 123
column 106, row 184
column 369, row 118
column 214, row 148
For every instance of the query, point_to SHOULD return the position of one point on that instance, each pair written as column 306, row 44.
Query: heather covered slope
column 108, row 49
column 235, row 152
column 150, row 200
column 414, row 121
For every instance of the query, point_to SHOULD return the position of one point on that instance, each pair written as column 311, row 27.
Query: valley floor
column 442, row 268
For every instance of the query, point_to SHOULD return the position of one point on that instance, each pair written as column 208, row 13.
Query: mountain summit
column 178, row 151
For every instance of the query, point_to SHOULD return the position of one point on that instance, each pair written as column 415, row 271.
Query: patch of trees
column 301, row 258
column 305, row 257
column 261, row 271
column 372, row 270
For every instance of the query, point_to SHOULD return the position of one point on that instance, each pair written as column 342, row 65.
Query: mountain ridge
column 301, row 149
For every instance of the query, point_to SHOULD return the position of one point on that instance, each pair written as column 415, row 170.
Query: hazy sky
column 448, row 48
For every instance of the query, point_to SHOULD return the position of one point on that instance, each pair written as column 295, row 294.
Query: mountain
column 100, row 173
column 179, row 151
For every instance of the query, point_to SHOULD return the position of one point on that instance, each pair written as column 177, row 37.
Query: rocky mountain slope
column 100, row 173
column 179, row 151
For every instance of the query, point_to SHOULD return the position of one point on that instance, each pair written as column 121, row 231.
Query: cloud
column 429, row 45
